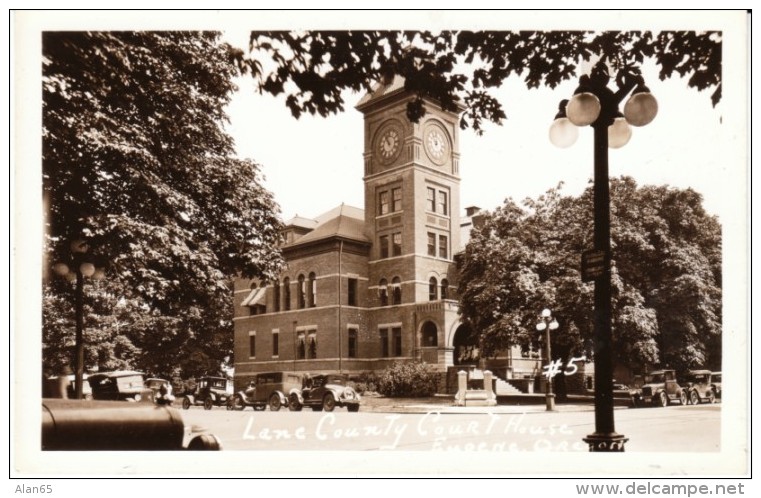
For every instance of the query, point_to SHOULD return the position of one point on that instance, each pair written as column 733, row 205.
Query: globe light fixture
column 563, row 133
column 641, row 108
column 583, row 109
column 619, row 133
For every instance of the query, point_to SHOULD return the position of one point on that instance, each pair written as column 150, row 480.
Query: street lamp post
column 547, row 323
column 596, row 105
column 81, row 268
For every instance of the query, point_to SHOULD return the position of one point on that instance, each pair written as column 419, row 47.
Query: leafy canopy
column 666, row 276
column 312, row 68
column 137, row 162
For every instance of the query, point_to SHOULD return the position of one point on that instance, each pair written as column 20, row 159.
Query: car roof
column 117, row 373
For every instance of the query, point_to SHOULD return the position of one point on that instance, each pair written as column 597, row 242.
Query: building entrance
column 465, row 346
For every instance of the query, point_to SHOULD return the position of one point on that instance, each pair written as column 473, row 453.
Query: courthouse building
column 364, row 288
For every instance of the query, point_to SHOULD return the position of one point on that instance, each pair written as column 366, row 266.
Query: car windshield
column 129, row 382
column 699, row 378
column 654, row 378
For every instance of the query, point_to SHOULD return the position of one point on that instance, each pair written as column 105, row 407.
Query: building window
column 384, row 343
column 443, row 206
column 312, row 345
column 432, row 289
column 252, row 344
column 312, row 290
column 276, row 295
column 430, row 335
column 301, row 346
column 302, row 292
column 443, row 249
column 275, row 344
column 396, row 332
column 397, row 248
column 383, row 292
column 383, row 202
column 286, row 293
column 396, row 288
column 353, row 343
column 444, row 288
column 431, row 244
column 384, row 246
column 431, row 200
column 352, row 297
column 396, row 195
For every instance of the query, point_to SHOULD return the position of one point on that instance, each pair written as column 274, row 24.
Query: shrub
column 408, row 379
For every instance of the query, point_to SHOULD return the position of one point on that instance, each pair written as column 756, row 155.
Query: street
column 688, row 429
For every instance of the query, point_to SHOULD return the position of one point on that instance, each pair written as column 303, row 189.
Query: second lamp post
column 547, row 323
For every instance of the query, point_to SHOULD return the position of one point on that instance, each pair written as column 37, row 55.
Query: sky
column 685, row 146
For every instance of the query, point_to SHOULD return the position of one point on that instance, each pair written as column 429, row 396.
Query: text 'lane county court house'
column 365, row 288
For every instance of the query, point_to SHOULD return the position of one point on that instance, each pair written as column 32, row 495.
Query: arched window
column 430, row 335
column 444, row 288
column 396, row 285
column 276, row 295
column 432, row 289
column 312, row 290
column 286, row 293
column 302, row 292
column 383, row 292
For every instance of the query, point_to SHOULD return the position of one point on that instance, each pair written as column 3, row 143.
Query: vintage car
column 126, row 385
column 716, row 384
column 209, row 392
column 658, row 388
column 698, row 387
column 161, row 390
column 266, row 389
column 324, row 392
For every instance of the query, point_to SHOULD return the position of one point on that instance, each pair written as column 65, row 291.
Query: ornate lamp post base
column 606, row 442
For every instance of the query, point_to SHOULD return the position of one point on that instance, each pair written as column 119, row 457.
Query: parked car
column 716, row 384
column 267, row 389
column 324, row 392
column 209, row 392
column 698, row 387
column 161, row 390
column 658, row 388
column 126, row 385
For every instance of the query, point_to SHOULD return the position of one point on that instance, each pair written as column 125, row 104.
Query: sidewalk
column 529, row 403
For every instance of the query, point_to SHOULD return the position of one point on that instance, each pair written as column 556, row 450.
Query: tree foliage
column 312, row 68
column 666, row 276
column 136, row 161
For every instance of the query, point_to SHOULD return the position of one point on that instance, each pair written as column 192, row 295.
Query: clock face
column 389, row 144
column 436, row 145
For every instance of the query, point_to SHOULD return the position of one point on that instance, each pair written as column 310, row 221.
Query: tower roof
column 381, row 90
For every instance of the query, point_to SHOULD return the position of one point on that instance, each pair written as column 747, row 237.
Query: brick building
column 365, row 288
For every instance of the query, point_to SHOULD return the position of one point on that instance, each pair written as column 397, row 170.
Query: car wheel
column 185, row 404
column 352, row 408
column 207, row 404
column 328, row 403
column 682, row 398
column 711, row 397
column 293, row 403
column 663, row 400
column 694, row 398
column 275, row 403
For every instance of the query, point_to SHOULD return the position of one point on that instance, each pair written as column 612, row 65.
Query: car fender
column 283, row 397
column 297, row 392
column 191, row 398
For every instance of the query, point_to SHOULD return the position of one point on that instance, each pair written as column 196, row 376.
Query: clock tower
column 412, row 205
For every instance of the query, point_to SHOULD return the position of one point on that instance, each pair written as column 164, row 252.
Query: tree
column 449, row 67
column 136, row 161
column 666, row 283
